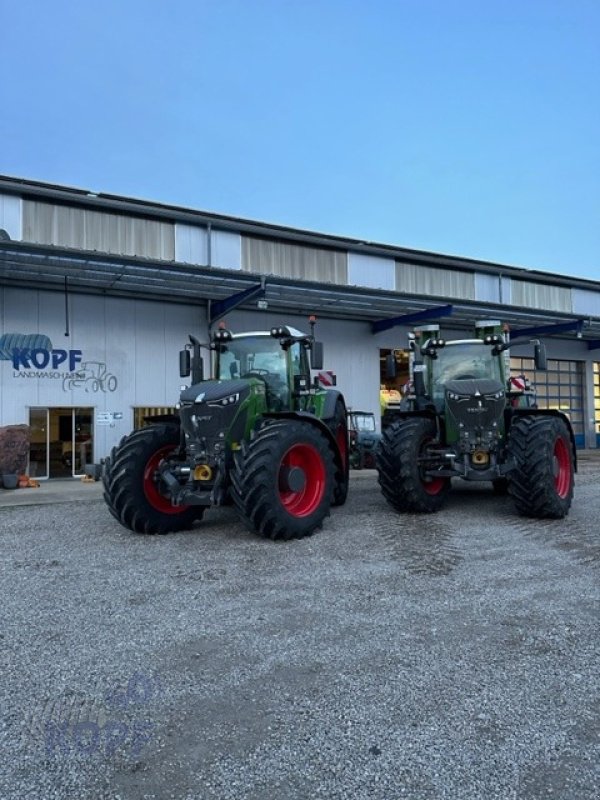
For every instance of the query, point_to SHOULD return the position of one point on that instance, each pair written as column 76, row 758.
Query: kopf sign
column 40, row 358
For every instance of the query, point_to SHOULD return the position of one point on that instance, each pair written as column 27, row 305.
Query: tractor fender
column 392, row 414
column 304, row 416
column 162, row 418
column 549, row 412
column 331, row 398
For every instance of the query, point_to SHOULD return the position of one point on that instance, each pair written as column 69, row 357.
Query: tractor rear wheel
column 542, row 483
column 339, row 427
column 283, row 480
column 402, row 478
column 132, row 490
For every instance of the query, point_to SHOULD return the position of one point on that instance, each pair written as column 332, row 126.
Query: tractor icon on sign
column 93, row 377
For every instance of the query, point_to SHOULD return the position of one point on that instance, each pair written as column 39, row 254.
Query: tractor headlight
column 230, row 400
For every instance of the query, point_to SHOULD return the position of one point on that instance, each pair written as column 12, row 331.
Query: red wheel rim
column 562, row 468
column 153, row 495
column 308, row 459
column 434, row 486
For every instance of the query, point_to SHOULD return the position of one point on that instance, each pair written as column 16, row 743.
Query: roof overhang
column 46, row 267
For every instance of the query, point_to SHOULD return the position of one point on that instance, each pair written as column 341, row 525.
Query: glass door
column 61, row 442
column 39, row 444
column 82, row 440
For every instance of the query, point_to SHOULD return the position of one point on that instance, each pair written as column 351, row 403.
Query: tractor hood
column 213, row 391
column 475, row 408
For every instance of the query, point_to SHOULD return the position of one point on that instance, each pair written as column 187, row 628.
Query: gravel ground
column 447, row 656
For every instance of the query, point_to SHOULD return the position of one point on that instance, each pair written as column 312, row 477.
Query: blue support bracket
column 575, row 325
column 409, row 319
column 218, row 308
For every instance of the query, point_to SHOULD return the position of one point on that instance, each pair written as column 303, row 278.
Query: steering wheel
column 260, row 373
column 465, row 377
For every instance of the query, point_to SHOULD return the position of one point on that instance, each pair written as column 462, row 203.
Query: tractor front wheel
column 132, row 489
column 541, row 485
column 401, row 463
column 283, row 480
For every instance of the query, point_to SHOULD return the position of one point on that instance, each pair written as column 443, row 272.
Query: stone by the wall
column 14, row 449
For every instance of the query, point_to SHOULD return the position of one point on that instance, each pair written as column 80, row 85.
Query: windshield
column 464, row 360
column 363, row 422
column 251, row 355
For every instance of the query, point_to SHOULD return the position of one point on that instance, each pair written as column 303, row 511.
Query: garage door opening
column 390, row 389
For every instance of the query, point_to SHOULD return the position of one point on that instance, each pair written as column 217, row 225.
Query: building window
column 559, row 387
column 140, row 414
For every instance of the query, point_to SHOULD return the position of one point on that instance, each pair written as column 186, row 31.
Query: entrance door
column 61, row 442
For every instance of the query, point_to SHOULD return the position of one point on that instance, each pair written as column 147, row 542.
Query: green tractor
column 259, row 435
column 463, row 417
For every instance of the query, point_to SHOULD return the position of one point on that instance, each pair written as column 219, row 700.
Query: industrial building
column 98, row 293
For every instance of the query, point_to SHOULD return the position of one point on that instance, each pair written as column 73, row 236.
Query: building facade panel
column 586, row 302
column 191, row 244
column 11, row 216
column 372, row 271
column 87, row 229
column 417, row 279
column 294, row 260
column 541, row 295
column 226, row 249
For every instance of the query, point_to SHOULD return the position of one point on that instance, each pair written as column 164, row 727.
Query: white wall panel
column 226, row 249
column 586, row 302
column 487, row 288
column 191, row 244
column 372, row 271
column 11, row 216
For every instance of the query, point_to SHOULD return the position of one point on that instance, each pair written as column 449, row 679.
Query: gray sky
column 468, row 127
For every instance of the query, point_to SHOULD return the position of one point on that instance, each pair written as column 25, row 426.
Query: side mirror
column 185, row 363
column 539, row 356
column 316, row 355
column 390, row 366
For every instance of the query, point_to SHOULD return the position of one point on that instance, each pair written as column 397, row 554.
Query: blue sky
column 462, row 127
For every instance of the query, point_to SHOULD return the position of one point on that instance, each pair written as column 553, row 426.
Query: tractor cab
column 279, row 359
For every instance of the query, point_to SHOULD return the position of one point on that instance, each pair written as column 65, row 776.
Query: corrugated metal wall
column 294, row 260
column 541, row 295
column 416, row 279
column 65, row 226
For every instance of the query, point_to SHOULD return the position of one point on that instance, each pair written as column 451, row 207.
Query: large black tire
column 542, row 484
column 402, row 481
column 264, row 500
column 338, row 425
column 132, row 493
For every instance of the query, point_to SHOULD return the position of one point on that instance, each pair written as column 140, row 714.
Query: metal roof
column 46, row 267
column 39, row 190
